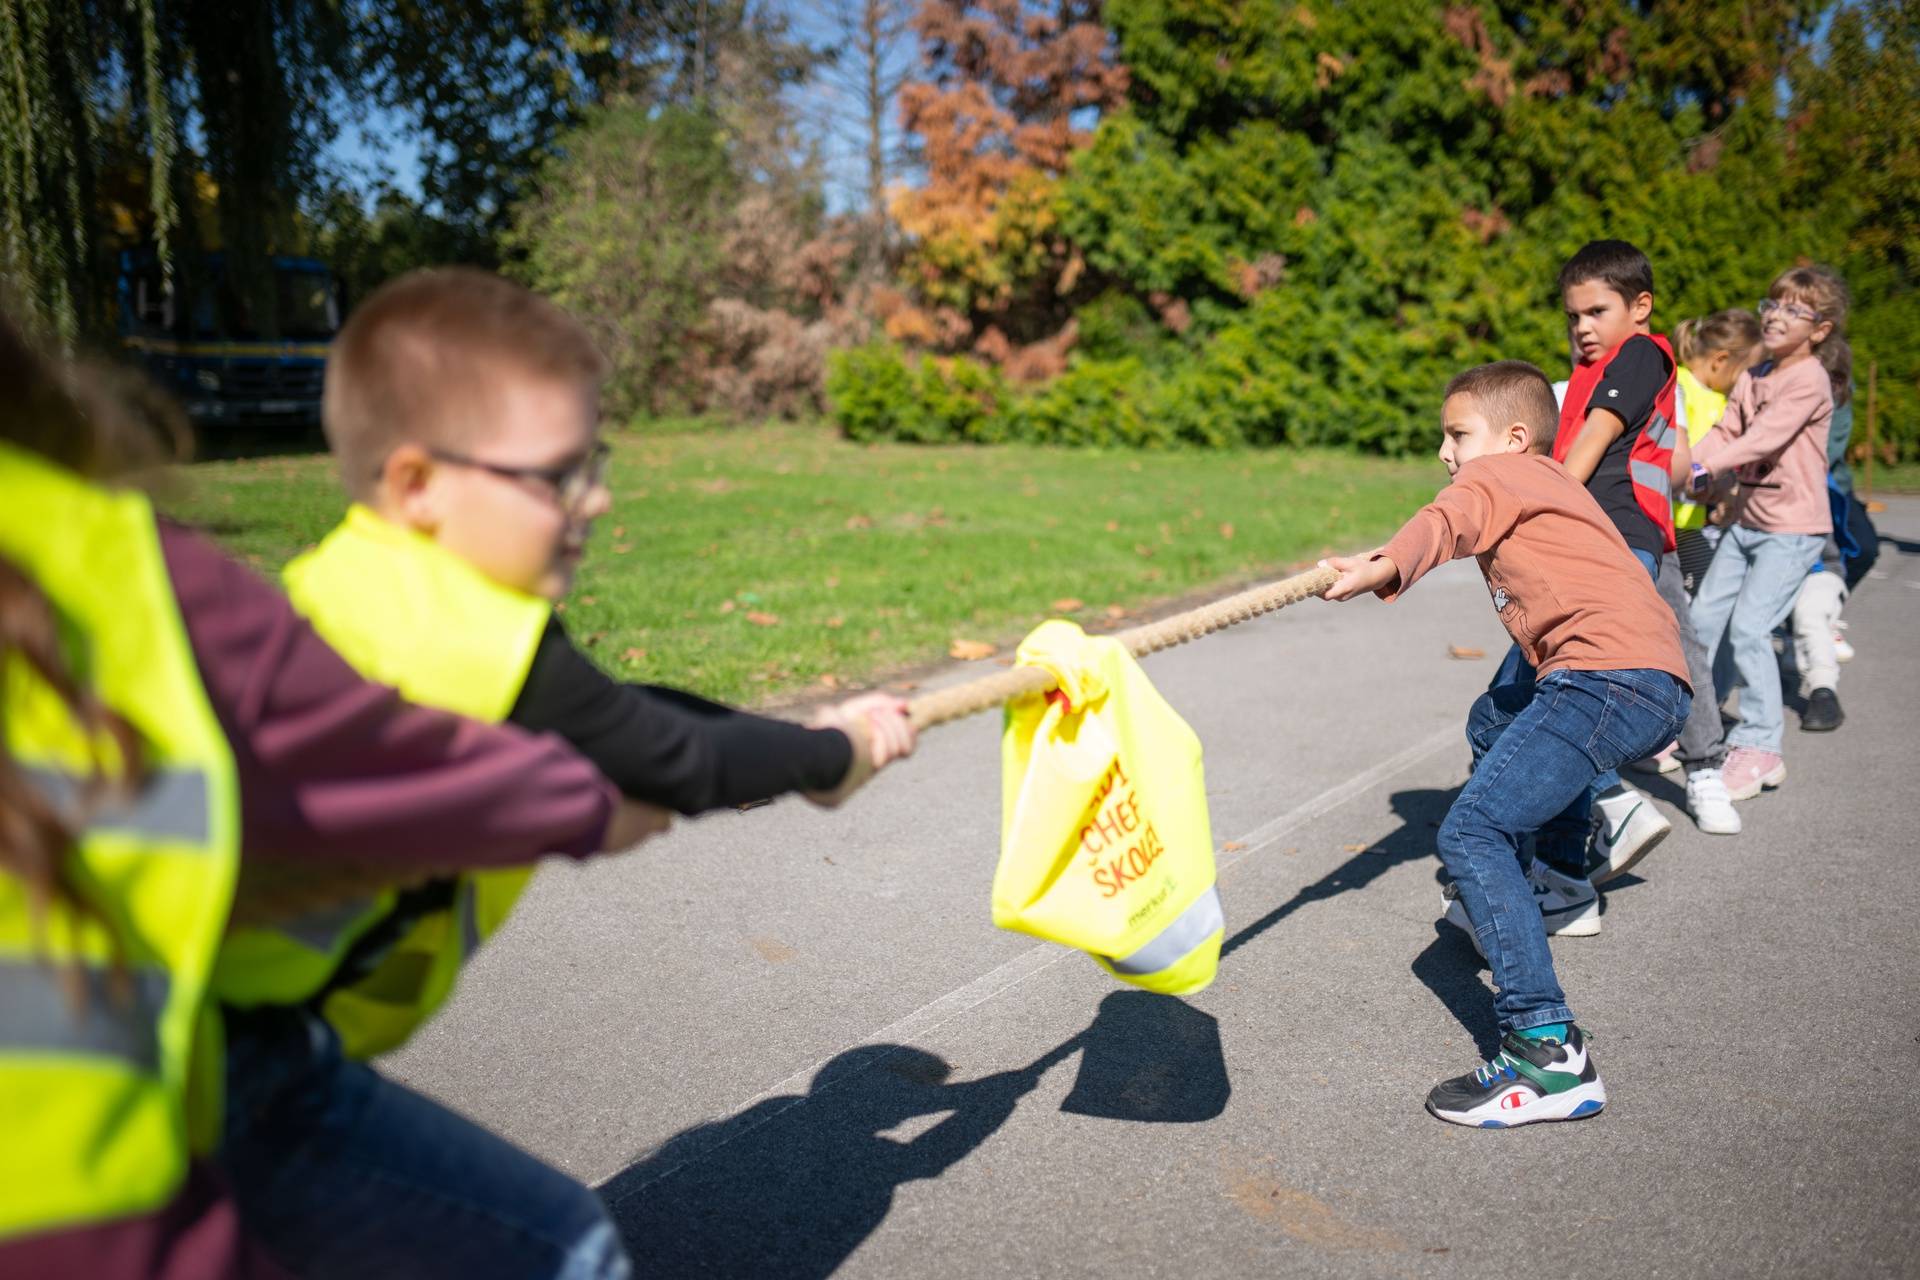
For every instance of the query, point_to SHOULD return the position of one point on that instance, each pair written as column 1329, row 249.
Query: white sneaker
column 1711, row 807
column 1567, row 905
column 1628, row 829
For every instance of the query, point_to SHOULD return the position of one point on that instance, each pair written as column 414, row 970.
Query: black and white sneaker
column 1568, row 907
column 1526, row 1082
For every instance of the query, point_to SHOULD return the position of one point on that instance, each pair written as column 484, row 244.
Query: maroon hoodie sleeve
column 196, row 1236
column 333, row 768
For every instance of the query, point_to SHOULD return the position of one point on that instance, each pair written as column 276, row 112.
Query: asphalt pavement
column 790, row 1043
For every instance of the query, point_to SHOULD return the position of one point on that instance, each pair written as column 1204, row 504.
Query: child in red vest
column 1615, row 436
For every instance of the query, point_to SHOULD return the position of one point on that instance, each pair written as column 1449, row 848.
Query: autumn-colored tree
column 1009, row 87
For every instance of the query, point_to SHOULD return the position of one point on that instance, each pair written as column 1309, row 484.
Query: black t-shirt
column 668, row 747
column 1628, row 390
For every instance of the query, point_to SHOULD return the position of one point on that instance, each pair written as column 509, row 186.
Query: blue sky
column 385, row 148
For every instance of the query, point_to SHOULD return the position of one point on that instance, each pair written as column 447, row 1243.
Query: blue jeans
column 1749, row 590
column 1516, row 670
column 1544, row 747
column 339, row 1172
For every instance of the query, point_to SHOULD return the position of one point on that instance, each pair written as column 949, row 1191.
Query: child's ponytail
column 1736, row 330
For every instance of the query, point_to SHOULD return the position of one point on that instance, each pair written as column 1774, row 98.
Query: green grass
column 1903, row 478
column 871, row 558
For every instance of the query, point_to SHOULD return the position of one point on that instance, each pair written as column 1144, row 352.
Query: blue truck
column 200, row 342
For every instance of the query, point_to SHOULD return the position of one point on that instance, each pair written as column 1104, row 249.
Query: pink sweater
column 1774, row 432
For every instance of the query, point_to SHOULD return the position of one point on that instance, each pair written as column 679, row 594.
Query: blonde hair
column 1736, row 330
column 416, row 361
column 1820, row 288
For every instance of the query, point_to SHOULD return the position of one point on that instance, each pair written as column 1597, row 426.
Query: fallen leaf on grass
column 830, row 681
column 834, row 623
column 633, row 655
column 1233, row 846
column 1067, row 604
column 859, row 522
column 1113, row 526
column 726, row 606
column 1226, row 531
column 970, row 650
column 760, row 619
column 1464, row 652
column 1115, row 611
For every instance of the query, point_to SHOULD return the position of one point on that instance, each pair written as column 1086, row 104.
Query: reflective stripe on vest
column 109, row 1016
column 1188, row 930
column 1649, row 476
column 172, row 804
column 103, row 1011
column 406, row 613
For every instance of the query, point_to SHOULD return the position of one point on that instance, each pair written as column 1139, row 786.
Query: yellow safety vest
column 409, row 614
column 110, row 1068
column 1700, row 407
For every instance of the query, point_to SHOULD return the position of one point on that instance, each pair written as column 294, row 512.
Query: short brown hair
column 1511, row 391
column 415, row 361
column 1614, row 263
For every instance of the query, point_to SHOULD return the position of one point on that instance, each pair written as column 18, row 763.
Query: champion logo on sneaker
column 1516, row 1099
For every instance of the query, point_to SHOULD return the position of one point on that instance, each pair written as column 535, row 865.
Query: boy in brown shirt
column 1612, row 687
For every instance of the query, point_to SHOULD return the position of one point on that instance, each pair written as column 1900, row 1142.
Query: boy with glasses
column 463, row 411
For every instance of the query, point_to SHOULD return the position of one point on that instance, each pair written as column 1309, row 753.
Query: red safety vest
column 1650, row 461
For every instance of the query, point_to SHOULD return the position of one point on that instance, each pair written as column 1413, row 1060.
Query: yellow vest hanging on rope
column 405, row 612
column 1105, row 844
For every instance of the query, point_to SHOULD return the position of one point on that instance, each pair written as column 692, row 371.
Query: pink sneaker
column 1748, row 770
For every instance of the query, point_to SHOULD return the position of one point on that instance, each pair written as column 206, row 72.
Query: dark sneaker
column 1823, row 713
column 1526, row 1082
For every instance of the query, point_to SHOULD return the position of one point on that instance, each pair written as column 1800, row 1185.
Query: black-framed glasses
column 568, row 484
column 1791, row 310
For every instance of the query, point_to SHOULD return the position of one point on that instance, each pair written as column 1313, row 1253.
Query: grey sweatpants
column 1703, row 743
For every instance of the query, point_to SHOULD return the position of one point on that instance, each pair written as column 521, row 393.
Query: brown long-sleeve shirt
column 1567, row 589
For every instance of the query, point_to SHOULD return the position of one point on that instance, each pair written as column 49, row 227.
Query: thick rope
column 270, row 892
column 961, row 700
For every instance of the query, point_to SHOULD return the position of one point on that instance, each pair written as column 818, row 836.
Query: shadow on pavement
column 1419, row 812
column 1450, row 968
column 791, row 1186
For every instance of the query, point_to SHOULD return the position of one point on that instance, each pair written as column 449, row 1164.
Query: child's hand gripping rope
column 878, row 726
column 1359, row 575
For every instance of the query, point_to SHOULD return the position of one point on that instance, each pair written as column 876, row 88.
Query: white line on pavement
column 936, row 1013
